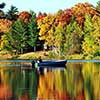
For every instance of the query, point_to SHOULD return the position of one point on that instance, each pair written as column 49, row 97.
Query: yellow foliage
column 46, row 29
column 3, row 42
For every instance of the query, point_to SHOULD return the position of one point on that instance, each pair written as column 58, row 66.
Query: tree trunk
column 34, row 48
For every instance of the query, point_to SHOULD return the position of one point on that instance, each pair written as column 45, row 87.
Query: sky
column 48, row 6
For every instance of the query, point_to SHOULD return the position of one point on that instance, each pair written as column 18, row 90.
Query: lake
column 80, row 80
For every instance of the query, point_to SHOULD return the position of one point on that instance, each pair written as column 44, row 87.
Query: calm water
column 78, row 81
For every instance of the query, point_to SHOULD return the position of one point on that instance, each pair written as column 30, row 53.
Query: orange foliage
column 46, row 89
column 25, row 16
column 5, row 91
column 24, row 97
column 5, row 25
column 62, row 96
column 80, row 96
column 80, row 9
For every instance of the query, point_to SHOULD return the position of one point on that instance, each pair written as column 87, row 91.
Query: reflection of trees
column 96, row 80
column 5, row 89
column 77, row 82
column 23, row 83
column 46, row 86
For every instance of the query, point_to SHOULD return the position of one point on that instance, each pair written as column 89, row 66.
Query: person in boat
column 41, row 70
column 40, row 59
column 35, row 62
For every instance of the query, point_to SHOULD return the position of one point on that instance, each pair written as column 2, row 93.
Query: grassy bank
column 44, row 55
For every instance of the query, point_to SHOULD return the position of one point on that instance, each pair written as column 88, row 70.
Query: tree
column 41, row 15
column 32, row 34
column 65, row 16
column 98, row 6
column 88, row 26
column 73, row 38
column 59, row 38
column 16, row 37
column 5, row 25
column 25, row 16
column 2, row 5
column 46, row 26
column 91, row 43
column 12, row 13
column 79, row 11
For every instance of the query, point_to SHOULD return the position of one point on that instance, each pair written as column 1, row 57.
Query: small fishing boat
column 49, row 63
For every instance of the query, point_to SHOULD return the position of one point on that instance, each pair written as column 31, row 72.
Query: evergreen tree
column 12, row 13
column 16, row 37
column 32, row 33
column 2, row 5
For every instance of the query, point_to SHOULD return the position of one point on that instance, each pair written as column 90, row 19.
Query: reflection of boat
column 51, row 63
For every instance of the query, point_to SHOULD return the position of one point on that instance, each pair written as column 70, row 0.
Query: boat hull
column 53, row 63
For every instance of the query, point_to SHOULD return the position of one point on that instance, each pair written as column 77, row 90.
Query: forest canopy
column 71, row 31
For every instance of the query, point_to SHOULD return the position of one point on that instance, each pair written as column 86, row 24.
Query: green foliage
column 91, row 44
column 88, row 44
column 88, row 26
column 32, row 33
column 16, row 37
column 59, row 37
column 98, row 5
column 71, row 31
column 52, row 54
column 12, row 13
column 73, row 42
column 21, row 36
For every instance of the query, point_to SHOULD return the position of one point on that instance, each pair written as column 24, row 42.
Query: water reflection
column 79, row 81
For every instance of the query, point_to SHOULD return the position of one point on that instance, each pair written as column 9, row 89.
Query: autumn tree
column 46, row 26
column 25, row 16
column 79, row 11
column 59, row 38
column 65, row 16
column 88, row 39
column 96, row 34
column 91, row 43
column 5, row 25
column 41, row 15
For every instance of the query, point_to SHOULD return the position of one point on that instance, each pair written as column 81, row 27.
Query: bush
column 52, row 55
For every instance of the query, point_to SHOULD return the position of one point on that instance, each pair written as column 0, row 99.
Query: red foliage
column 80, row 96
column 65, row 17
column 40, row 16
column 25, row 16
column 62, row 96
column 24, row 97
